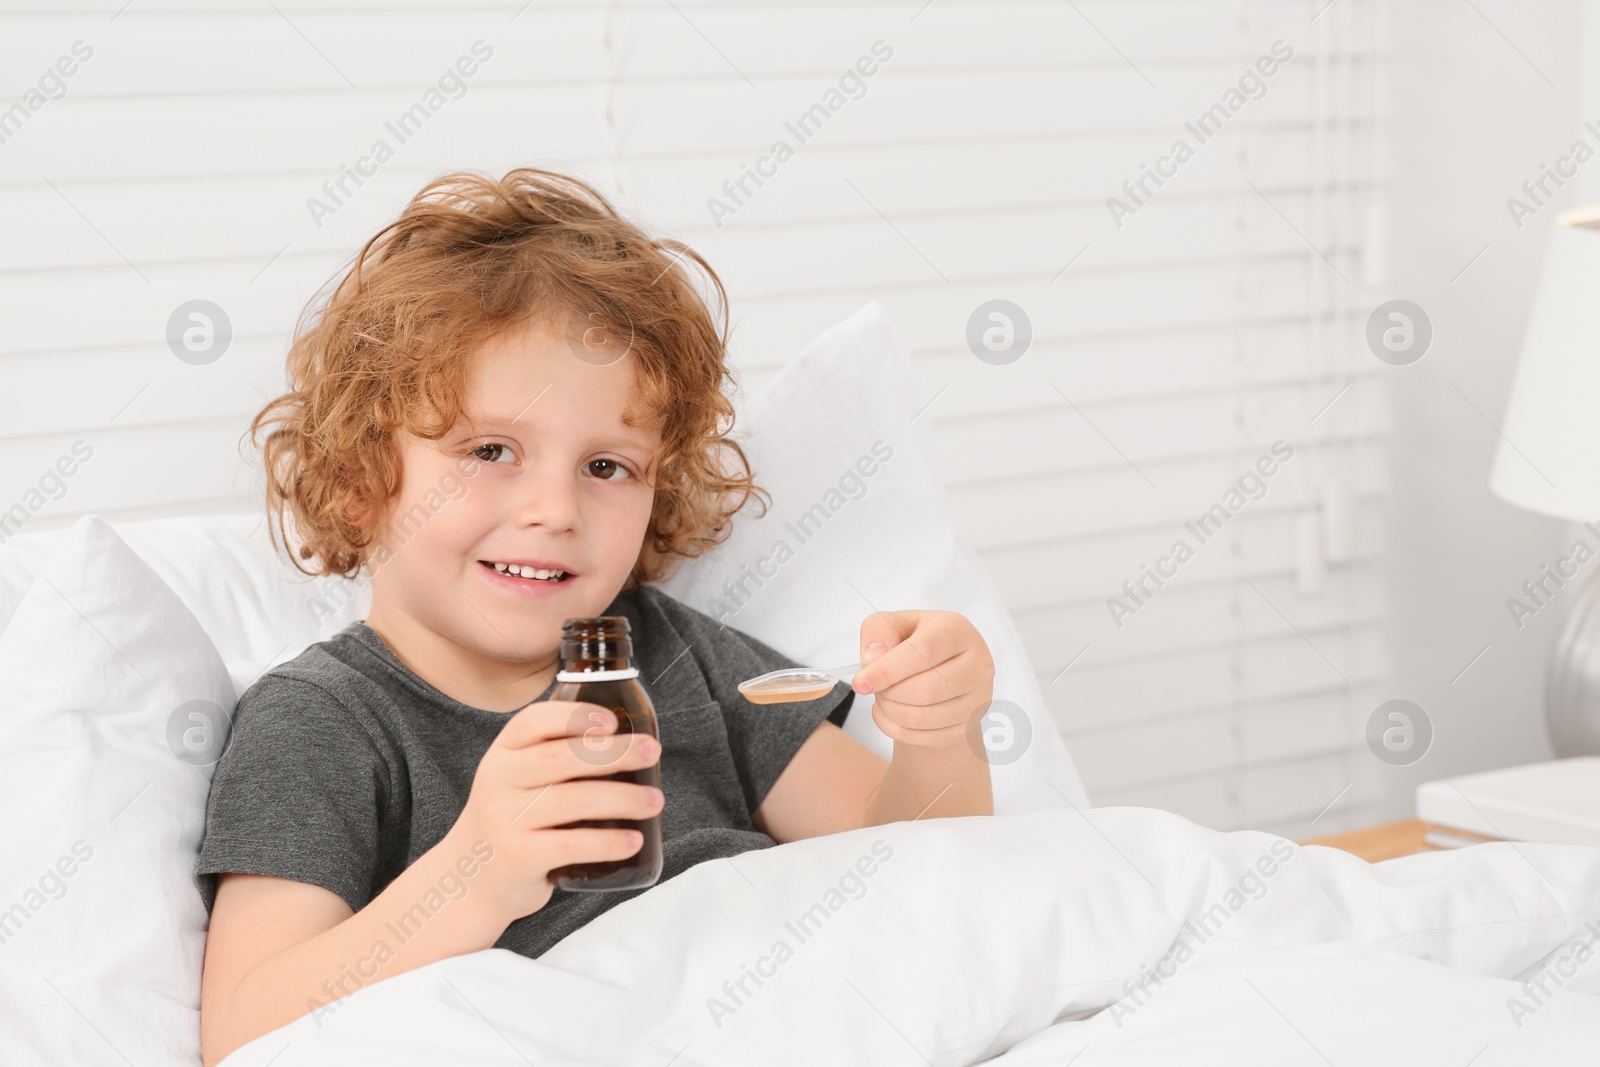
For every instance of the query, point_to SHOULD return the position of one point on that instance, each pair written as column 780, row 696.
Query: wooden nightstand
column 1388, row 841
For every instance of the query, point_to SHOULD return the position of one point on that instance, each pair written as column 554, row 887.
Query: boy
column 511, row 413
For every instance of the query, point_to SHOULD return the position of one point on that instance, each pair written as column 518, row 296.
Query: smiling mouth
column 527, row 574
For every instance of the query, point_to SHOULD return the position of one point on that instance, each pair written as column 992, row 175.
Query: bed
column 1049, row 933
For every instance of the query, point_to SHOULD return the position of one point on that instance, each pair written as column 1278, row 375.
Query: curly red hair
column 468, row 258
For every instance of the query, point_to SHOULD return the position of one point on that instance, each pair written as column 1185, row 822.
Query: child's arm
column 278, row 948
column 934, row 680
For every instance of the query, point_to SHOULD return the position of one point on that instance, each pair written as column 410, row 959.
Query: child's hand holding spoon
column 930, row 673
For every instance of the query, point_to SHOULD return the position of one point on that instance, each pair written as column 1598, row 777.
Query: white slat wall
column 1172, row 353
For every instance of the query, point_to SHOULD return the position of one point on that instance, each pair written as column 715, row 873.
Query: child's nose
column 548, row 497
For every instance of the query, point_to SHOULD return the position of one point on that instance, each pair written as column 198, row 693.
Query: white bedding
column 1019, row 939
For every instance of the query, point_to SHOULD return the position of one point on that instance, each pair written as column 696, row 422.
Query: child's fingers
column 929, row 650
column 943, row 737
column 563, row 758
column 547, row 719
column 588, row 845
column 924, row 720
column 578, row 800
column 914, row 639
column 889, row 627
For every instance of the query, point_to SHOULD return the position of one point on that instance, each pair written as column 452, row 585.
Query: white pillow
column 257, row 608
column 116, row 708
column 859, row 523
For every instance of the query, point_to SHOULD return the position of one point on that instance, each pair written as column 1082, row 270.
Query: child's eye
column 491, row 453
column 614, row 467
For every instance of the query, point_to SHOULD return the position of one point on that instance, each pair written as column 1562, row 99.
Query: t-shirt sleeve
column 296, row 793
column 765, row 737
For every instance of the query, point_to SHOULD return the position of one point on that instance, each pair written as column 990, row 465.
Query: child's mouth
column 519, row 573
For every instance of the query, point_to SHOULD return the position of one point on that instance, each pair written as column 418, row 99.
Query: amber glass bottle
column 597, row 668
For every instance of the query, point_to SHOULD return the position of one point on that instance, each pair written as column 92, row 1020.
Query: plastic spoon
column 796, row 683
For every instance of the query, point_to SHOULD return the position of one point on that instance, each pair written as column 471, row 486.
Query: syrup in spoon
column 796, row 683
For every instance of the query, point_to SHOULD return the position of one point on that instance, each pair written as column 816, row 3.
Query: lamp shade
column 1549, row 455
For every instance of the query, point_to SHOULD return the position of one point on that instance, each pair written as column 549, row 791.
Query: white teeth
column 527, row 572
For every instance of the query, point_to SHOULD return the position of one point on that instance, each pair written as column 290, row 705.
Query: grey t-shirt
column 344, row 766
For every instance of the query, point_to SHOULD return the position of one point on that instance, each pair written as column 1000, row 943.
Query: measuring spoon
column 796, row 683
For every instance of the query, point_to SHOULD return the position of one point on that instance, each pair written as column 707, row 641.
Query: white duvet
column 1115, row 936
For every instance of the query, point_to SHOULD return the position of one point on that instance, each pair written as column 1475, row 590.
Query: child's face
column 560, row 479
